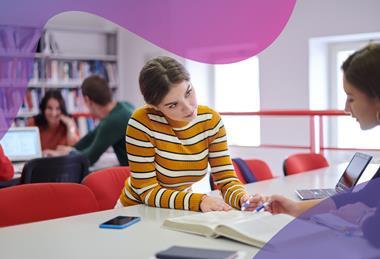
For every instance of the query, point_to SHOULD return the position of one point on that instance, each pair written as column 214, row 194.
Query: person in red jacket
column 6, row 168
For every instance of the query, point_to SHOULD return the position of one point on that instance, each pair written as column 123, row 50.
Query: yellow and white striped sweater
column 166, row 157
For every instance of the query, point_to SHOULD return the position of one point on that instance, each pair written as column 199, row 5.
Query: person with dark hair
column 55, row 125
column 172, row 140
column 110, row 131
column 361, row 82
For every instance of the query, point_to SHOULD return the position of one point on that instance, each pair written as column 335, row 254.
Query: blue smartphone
column 120, row 222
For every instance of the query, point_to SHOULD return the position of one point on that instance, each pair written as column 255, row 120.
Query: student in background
column 361, row 83
column 170, row 143
column 110, row 131
column 55, row 125
column 6, row 168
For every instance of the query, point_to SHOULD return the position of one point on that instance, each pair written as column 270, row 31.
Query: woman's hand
column 280, row 204
column 70, row 125
column 210, row 203
column 69, row 122
column 249, row 203
column 72, row 132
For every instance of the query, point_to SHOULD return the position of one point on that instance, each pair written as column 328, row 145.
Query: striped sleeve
column 143, row 185
column 221, row 165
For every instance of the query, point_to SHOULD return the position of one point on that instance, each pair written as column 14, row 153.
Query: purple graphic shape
column 214, row 31
column 17, row 49
column 344, row 226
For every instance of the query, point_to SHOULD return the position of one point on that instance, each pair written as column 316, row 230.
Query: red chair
column 107, row 185
column 303, row 162
column 259, row 168
column 239, row 173
column 41, row 201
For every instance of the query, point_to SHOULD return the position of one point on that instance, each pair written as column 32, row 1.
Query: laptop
column 21, row 144
column 348, row 179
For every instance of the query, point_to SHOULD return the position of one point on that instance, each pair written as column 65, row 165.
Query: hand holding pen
column 250, row 203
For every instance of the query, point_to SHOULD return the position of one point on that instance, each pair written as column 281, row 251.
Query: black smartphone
column 120, row 222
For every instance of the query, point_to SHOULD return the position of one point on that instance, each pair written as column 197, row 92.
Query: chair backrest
column 41, row 201
column 259, row 168
column 71, row 168
column 107, row 185
column 238, row 173
column 251, row 170
column 303, row 162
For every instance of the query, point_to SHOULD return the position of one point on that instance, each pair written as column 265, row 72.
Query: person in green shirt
column 111, row 129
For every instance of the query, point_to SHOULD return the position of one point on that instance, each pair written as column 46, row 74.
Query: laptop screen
column 353, row 171
column 21, row 143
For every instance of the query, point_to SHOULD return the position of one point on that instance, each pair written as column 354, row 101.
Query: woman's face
column 361, row 107
column 180, row 104
column 52, row 112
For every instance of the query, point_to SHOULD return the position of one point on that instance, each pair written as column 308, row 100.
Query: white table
column 80, row 236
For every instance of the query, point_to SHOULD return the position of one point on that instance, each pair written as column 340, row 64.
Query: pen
column 246, row 203
column 262, row 206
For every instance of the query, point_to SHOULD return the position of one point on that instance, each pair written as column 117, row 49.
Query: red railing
column 319, row 114
column 77, row 115
column 314, row 142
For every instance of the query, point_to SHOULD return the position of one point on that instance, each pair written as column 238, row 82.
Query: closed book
column 182, row 252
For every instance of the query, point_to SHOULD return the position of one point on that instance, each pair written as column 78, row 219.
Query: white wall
column 284, row 67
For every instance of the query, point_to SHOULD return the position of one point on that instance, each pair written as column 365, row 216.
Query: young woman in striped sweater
column 172, row 140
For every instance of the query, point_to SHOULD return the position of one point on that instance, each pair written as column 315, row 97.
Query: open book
column 254, row 229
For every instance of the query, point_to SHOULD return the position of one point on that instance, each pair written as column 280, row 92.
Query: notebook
column 21, row 143
column 348, row 179
column 254, row 229
column 182, row 252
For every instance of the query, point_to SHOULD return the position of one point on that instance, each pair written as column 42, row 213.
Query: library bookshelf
column 54, row 58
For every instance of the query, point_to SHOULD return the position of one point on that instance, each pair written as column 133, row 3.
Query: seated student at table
column 170, row 143
column 110, row 131
column 361, row 83
column 6, row 168
column 55, row 125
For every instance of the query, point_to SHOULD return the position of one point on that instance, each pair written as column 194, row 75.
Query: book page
column 202, row 223
column 206, row 223
column 255, row 229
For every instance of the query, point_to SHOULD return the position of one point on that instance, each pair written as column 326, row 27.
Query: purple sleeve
column 371, row 228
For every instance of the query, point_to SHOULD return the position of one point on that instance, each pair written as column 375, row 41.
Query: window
column 347, row 133
column 237, row 90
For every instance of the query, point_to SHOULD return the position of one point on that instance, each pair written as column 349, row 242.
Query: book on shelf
column 56, row 65
column 11, row 99
column 85, row 125
column 74, row 71
column 254, row 229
